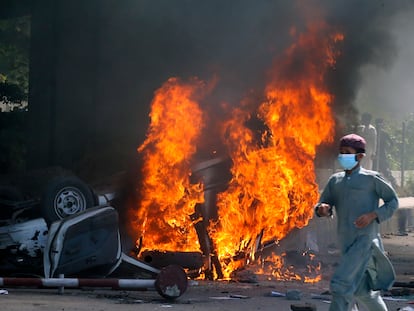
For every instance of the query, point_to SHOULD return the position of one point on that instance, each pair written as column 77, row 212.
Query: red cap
column 353, row 140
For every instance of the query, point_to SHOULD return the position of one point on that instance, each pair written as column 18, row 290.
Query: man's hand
column 323, row 210
column 365, row 219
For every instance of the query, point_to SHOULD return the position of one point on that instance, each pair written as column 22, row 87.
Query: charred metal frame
column 215, row 175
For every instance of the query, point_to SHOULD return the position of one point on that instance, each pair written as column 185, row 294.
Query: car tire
column 65, row 196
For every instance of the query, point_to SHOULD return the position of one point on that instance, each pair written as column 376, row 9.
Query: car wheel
column 65, row 196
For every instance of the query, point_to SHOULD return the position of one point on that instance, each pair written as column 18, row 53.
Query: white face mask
column 347, row 161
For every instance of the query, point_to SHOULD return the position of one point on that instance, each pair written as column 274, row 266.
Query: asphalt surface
column 222, row 295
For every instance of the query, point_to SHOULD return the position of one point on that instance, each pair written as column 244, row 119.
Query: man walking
column 354, row 194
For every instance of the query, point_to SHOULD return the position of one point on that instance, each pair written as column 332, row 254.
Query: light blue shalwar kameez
column 363, row 268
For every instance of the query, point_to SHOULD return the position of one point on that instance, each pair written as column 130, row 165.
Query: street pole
column 378, row 151
column 403, row 155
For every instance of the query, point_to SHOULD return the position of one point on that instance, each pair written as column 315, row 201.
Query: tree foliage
column 14, row 86
column 401, row 153
column 14, row 52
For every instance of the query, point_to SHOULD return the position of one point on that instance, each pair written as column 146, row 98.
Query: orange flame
column 167, row 195
column 275, row 267
column 273, row 184
column 273, row 187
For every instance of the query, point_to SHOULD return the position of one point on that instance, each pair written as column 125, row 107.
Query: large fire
column 167, row 197
column 273, row 188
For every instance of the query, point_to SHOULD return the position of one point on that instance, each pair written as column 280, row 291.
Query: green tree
column 14, row 52
column 14, row 86
column 401, row 151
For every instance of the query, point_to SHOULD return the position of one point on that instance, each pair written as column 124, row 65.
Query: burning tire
column 65, row 196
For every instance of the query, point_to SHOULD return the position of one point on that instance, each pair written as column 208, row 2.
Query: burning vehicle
column 192, row 198
column 70, row 231
column 215, row 187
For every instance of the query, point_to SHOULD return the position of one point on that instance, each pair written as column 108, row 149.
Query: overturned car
column 69, row 231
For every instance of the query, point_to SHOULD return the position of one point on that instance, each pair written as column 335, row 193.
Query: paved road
column 204, row 295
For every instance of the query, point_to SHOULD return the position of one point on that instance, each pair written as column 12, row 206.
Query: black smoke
column 118, row 53
column 237, row 41
column 142, row 43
